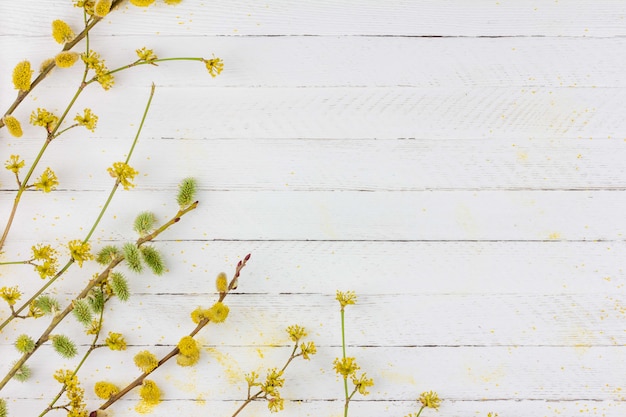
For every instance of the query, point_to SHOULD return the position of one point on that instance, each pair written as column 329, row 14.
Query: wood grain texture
column 457, row 164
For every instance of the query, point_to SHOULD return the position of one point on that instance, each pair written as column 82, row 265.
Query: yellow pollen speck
column 554, row 236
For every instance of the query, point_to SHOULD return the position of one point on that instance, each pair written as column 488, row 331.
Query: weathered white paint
column 458, row 164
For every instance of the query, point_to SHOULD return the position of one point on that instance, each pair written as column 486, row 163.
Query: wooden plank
column 406, row 61
column 400, row 374
column 312, row 17
column 365, row 408
column 342, row 165
column 378, row 216
column 485, row 113
column 414, row 321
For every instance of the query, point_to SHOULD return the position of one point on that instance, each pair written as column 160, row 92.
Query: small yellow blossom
column 66, row 59
column 10, row 294
column 102, row 8
column 44, row 118
column 94, row 327
column 43, row 252
column 221, row 282
column 74, row 393
column 88, row 120
column 251, row 378
column 199, row 314
column 150, row 392
column 61, row 31
column 214, row 66
column 146, row 361
column 47, row 181
column 80, row 251
column 115, row 341
column 172, row 2
column 346, row 366
column 275, row 404
column 308, row 349
column 95, row 63
column 145, row 54
column 296, row 332
column 142, row 3
column 188, row 346
column 189, row 351
column 124, row 174
column 14, row 164
column 492, row 414
column 21, row 76
column 47, row 269
column 273, row 381
column 13, row 125
column 362, row 383
column 218, row 312
column 34, row 310
column 105, row 390
column 346, row 298
column 430, row 399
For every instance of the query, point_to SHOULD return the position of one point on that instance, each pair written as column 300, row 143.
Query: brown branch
column 139, row 380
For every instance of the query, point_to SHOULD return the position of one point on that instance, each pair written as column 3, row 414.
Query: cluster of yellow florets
column 66, row 59
column 62, row 32
column 115, row 341
column 13, row 125
column 88, row 119
column 47, row 181
column 74, row 393
column 189, row 351
column 14, row 164
column 48, row 260
column 124, row 174
column 44, row 118
column 10, row 294
column 146, row 361
column 95, row 63
column 80, row 251
column 22, row 74
column 105, row 390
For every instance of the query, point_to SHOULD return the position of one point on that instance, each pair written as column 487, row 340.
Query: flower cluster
column 14, row 164
column 150, row 393
column 10, row 294
column 48, row 261
column 145, row 54
column 214, row 66
column 62, row 32
column 146, row 361
column 189, row 351
column 44, row 118
column 124, row 174
column 87, row 119
column 22, row 74
column 47, row 181
column 430, row 399
column 105, row 390
column 95, row 63
column 74, row 393
column 346, row 298
column 13, row 125
column 80, row 251
column 66, row 59
column 115, row 341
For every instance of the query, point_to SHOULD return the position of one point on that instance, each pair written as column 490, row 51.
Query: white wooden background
column 457, row 163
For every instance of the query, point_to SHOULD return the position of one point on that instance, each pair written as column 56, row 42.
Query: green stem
column 141, row 62
column 420, row 411
column 343, row 347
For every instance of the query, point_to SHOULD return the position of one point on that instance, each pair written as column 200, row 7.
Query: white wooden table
column 458, row 164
